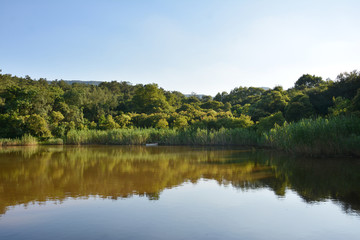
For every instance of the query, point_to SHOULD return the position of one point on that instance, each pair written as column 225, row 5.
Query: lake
column 123, row 192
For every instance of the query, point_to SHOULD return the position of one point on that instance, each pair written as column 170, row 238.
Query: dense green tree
column 56, row 117
column 240, row 95
column 162, row 123
column 320, row 99
column 243, row 121
column 44, row 108
column 75, row 96
column 193, row 100
column 346, row 85
column 269, row 122
column 37, row 126
column 356, row 100
column 307, row 81
column 220, row 97
column 227, row 107
column 107, row 123
column 174, row 99
column 150, row 99
column 180, row 122
column 124, row 120
column 341, row 106
column 272, row 101
column 299, row 107
column 214, row 105
column 238, row 109
column 11, row 125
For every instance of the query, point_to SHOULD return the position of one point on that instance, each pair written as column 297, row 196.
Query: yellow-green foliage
column 38, row 126
column 180, row 122
column 341, row 106
column 41, row 174
column 53, row 141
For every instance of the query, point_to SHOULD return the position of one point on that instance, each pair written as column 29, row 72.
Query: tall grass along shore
column 318, row 137
column 313, row 137
column 26, row 140
column 164, row 136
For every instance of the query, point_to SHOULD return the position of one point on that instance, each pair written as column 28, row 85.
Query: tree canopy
column 52, row 108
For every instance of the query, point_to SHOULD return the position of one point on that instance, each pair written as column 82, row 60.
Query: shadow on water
column 39, row 174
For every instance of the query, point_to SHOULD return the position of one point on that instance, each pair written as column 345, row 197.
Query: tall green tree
column 299, row 107
column 308, row 81
column 150, row 99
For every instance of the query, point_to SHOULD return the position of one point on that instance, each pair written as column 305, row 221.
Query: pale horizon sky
column 202, row 46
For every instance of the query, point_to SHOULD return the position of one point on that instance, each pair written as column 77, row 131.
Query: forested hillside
column 51, row 109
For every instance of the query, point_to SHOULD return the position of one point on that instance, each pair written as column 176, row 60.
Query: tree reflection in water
column 39, row 174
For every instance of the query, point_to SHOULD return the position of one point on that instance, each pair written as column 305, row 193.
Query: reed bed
column 53, row 141
column 318, row 137
column 312, row 137
column 163, row 137
column 26, row 140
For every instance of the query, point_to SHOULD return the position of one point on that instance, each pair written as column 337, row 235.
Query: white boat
column 151, row 144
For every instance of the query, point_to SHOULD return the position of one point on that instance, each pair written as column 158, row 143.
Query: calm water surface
column 175, row 193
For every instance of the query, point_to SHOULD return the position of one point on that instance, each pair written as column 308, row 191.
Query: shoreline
column 337, row 136
column 244, row 147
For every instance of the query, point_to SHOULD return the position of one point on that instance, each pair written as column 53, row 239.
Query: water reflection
column 38, row 174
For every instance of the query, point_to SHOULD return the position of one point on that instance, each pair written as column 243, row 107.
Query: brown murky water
column 119, row 192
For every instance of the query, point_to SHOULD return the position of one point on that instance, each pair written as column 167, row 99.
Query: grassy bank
column 26, row 140
column 312, row 137
column 164, row 137
column 318, row 137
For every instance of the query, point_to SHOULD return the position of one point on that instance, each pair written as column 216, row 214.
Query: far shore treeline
column 315, row 117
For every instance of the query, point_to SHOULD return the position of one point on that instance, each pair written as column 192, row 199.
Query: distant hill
column 199, row 96
column 96, row 83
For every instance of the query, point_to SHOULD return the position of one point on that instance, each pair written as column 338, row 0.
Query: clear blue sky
column 202, row 46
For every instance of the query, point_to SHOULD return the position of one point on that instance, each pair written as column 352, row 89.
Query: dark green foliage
column 307, row 81
column 241, row 95
column 12, row 126
column 267, row 123
column 271, row 101
column 299, row 107
column 214, row 105
column 356, row 101
column 320, row 99
column 347, row 85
